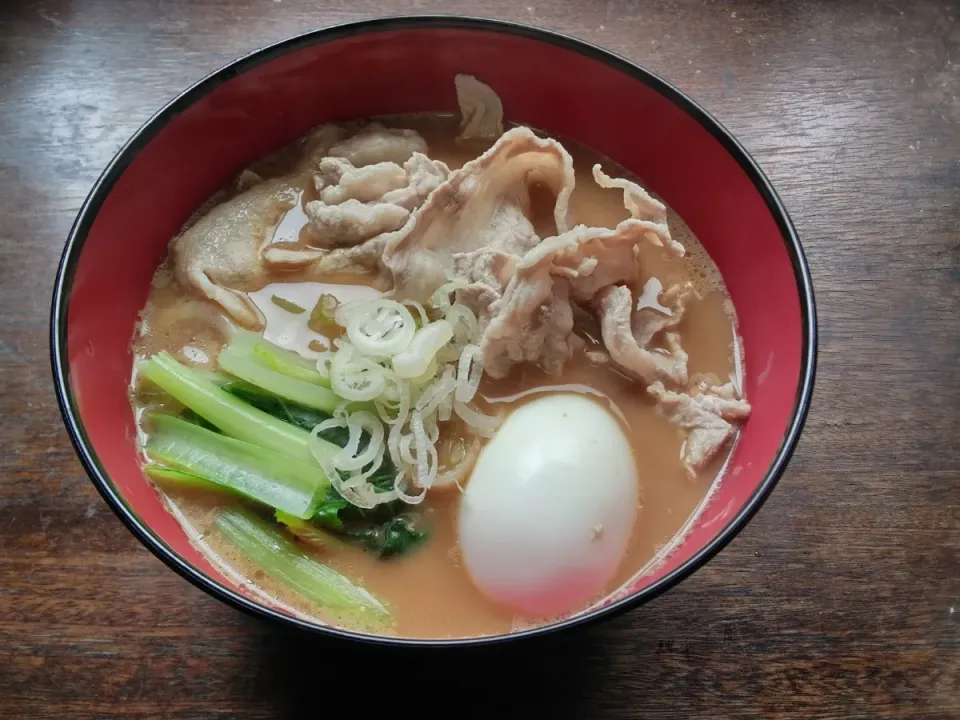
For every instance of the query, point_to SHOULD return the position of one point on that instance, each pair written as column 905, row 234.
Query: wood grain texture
column 842, row 597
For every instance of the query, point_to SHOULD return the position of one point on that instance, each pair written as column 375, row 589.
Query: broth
column 429, row 591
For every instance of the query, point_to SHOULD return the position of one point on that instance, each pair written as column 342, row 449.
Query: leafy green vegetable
column 393, row 537
column 328, row 514
column 287, row 363
column 308, row 418
column 265, row 545
column 384, row 531
column 227, row 412
column 277, row 358
column 249, row 470
column 242, row 363
column 381, row 530
column 252, row 414
column 289, row 411
column 308, row 532
column 175, row 479
column 191, row 417
column 334, row 512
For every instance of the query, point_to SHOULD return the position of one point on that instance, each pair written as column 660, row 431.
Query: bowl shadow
column 562, row 675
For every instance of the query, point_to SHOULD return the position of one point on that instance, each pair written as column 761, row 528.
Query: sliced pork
column 376, row 144
column 627, row 332
column 337, row 180
column 481, row 112
column 579, row 265
column 219, row 256
column 707, row 417
column 484, row 204
column 352, row 222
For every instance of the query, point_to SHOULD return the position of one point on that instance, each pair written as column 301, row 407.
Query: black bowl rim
column 149, row 130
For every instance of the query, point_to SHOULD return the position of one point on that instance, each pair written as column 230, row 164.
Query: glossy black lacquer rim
column 149, row 130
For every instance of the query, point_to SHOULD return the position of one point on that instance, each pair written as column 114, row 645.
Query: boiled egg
column 548, row 511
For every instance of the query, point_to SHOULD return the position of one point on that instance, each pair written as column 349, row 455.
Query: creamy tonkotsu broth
column 668, row 404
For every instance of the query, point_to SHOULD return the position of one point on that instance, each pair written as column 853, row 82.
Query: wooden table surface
column 842, row 597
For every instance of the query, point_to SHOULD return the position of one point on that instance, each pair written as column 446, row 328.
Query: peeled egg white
column 549, row 508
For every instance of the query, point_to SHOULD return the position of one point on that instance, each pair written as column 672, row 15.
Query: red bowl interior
column 269, row 99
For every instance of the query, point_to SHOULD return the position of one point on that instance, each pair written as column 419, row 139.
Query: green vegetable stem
column 228, row 413
column 249, row 470
column 266, row 546
column 270, row 368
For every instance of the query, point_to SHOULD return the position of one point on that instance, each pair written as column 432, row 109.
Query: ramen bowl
column 556, row 84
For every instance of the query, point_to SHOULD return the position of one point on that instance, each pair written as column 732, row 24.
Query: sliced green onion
column 268, row 548
column 323, row 313
column 414, row 359
column 249, row 470
column 355, row 377
column 288, row 305
column 378, row 328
